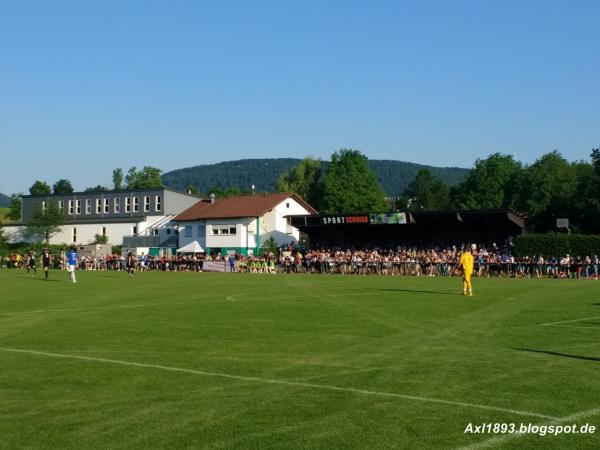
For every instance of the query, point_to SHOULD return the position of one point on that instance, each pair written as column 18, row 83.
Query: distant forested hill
column 4, row 200
column 394, row 176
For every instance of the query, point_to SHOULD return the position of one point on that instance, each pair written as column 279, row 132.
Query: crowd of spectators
column 490, row 261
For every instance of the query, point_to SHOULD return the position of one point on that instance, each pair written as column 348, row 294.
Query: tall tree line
column 545, row 190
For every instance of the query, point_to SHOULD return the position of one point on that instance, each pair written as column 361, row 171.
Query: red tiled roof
column 255, row 205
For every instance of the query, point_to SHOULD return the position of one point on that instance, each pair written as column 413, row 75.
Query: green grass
column 399, row 335
column 3, row 213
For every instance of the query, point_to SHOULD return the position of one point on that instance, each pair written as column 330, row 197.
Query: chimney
column 212, row 198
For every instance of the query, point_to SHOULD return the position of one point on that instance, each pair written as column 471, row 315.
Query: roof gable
column 254, row 205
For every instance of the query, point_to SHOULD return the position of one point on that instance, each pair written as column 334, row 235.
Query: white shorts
column 70, row 268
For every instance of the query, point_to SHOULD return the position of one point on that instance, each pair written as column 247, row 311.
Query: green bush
column 557, row 245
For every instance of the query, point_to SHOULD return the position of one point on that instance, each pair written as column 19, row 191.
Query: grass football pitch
column 220, row 361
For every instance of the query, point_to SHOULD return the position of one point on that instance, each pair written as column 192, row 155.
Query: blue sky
column 87, row 86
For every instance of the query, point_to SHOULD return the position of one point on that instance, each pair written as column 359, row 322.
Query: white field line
column 92, row 308
column 282, row 382
column 502, row 439
column 575, row 326
column 570, row 321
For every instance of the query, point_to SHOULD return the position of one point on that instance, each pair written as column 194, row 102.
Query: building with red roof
column 242, row 223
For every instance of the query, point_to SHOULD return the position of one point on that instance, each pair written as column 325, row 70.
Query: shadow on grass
column 419, row 291
column 562, row 355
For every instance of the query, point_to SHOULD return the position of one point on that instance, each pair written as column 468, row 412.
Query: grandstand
column 423, row 228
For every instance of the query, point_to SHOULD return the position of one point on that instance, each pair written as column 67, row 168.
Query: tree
column 596, row 161
column 117, row 177
column 45, row 222
column 269, row 246
column 2, row 238
column 303, row 179
column 584, row 206
column 489, row 184
column 63, row 186
column 14, row 212
column 350, row 186
column 426, row 192
column 40, row 188
column 547, row 188
column 98, row 188
column 192, row 190
column 229, row 191
column 147, row 178
column 100, row 239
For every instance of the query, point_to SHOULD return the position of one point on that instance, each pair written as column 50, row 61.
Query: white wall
column 272, row 224
column 244, row 237
column 85, row 233
column 276, row 222
column 195, row 236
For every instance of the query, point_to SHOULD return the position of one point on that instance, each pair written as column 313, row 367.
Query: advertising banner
column 213, row 266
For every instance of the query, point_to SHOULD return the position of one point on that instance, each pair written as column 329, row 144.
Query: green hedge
column 558, row 245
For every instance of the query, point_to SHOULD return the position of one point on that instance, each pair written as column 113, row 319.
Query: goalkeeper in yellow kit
column 466, row 263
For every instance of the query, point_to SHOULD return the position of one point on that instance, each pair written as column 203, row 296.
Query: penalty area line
column 281, row 382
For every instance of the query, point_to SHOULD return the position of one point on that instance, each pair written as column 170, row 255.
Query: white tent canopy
column 192, row 247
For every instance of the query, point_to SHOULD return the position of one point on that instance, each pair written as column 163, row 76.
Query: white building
column 144, row 217
column 242, row 223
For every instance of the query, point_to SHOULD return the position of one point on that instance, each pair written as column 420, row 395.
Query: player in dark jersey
column 31, row 264
column 46, row 261
column 130, row 264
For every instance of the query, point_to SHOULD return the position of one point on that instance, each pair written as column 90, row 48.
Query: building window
column 88, row 206
column 77, row 206
column 71, row 209
column 134, row 230
column 223, row 230
column 155, row 232
column 136, row 204
column 105, row 206
column 158, row 203
column 98, row 206
column 146, row 204
column 168, row 231
column 61, row 205
column 103, row 231
column 287, row 205
column 117, row 205
column 187, row 231
column 127, row 204
column 74, row 235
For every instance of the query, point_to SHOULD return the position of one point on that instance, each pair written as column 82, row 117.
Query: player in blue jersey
column 72, row 263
